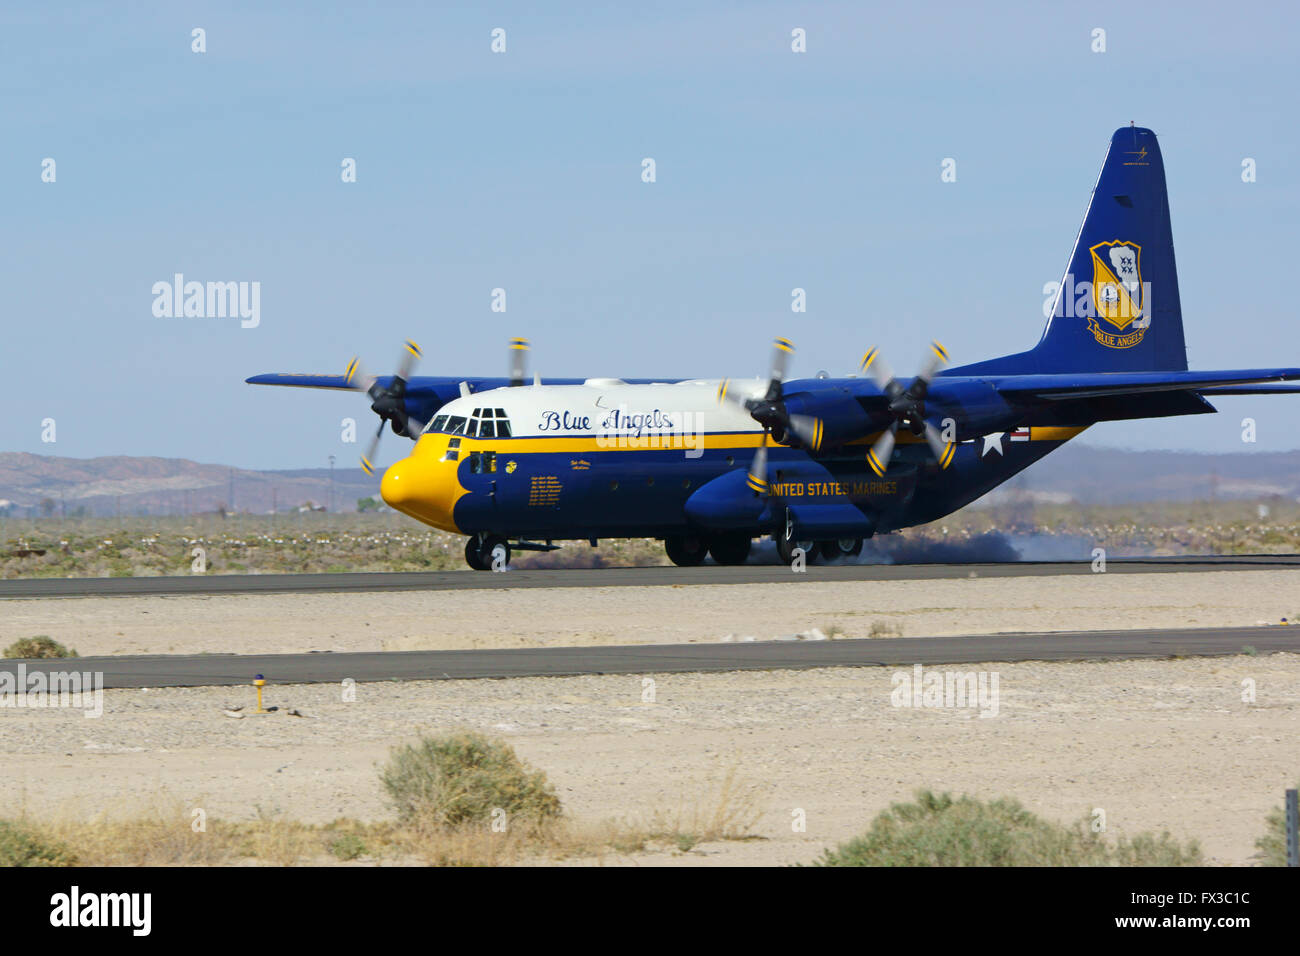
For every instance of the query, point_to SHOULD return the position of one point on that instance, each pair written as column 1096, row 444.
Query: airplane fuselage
column 607, row 459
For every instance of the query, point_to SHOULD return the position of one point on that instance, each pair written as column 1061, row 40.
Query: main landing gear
column 813, row 551
column 686, row 551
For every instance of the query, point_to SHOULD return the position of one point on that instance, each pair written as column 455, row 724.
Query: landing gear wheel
column 730, row 548
column 473, row 555
column 840, row 548
column 487, row 553
column 685, row 551
column 785, row 548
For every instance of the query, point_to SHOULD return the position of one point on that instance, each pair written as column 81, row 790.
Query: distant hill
column 37, row 484
column 103, row 486
column 1092, row 475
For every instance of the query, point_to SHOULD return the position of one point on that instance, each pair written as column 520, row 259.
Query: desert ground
column 1155, row 745
column 498, row 616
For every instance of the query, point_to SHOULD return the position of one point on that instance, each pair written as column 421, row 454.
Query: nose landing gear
column 480, row 554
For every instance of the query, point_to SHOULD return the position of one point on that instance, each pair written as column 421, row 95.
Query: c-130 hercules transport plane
column 819, row 464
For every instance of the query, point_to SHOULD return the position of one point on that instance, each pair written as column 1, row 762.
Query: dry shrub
column 942, row 830
column 725, row 811
column 40, row 647
column 466, row 779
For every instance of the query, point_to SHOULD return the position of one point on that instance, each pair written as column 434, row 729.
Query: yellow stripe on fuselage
column 580, row 444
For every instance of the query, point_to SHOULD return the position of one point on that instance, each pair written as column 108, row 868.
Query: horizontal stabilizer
column 1092, row 385
column 1252, row 390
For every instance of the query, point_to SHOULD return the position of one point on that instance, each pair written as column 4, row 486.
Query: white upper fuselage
column 600, row 408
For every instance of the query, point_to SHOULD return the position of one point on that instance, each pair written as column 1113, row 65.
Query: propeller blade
column 875, row 366
column 943, row 451
column 937, row 358
column 878, row 455
column 782, row 349
column 518, row 361
column 355, row 376
column 410, row 355
column 367, row 460
column 727, row 395
column 757, row 477
column 808, row 430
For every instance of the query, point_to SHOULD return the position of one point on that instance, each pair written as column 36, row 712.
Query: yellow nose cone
column 423, row 486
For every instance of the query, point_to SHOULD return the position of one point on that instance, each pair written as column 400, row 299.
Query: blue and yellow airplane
column 819, row 464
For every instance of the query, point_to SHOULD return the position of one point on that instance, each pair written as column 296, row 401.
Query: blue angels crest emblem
column 1118, row 295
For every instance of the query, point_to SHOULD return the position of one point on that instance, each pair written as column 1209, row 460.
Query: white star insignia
column 993, row 442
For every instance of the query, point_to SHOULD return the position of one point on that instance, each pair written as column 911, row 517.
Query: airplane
column 819, row 464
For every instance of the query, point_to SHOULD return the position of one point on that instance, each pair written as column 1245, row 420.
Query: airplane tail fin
column 1117, row 308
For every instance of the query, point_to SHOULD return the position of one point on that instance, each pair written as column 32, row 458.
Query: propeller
column 387, row 402
column 757, row 477
column 907, row 405
column 770, row 411
column 518, row 361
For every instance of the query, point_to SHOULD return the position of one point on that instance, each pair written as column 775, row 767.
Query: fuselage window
column 482, row 462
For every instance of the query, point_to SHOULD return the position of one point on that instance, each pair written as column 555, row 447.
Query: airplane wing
column 300, row 380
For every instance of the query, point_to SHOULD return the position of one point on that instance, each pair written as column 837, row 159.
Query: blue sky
column 522, row 171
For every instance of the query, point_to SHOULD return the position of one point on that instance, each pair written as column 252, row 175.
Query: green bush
column 461, row 778
column 39, row 646
column 20, row 846
column 348, row 846
column 940, row 830
column 1272, row 845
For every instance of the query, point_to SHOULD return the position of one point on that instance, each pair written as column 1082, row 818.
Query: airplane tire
column 840, row 548
column 730, row 549
column 685, row 551
column 785, row 549
column 474, row 555
column 490, row 545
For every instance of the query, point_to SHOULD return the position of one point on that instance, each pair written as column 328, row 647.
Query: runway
column 608, row 577
column 221, row 669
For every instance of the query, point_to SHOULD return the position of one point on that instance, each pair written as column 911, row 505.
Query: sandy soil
column 495, row 617
column 1167, row 744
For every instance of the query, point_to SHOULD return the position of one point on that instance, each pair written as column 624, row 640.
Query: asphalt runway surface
column 223, row 669
column 609, row 577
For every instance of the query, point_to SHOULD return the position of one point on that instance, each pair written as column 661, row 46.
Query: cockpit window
column 481, row 423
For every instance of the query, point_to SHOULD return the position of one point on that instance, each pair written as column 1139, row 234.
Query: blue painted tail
column 1117, row 309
